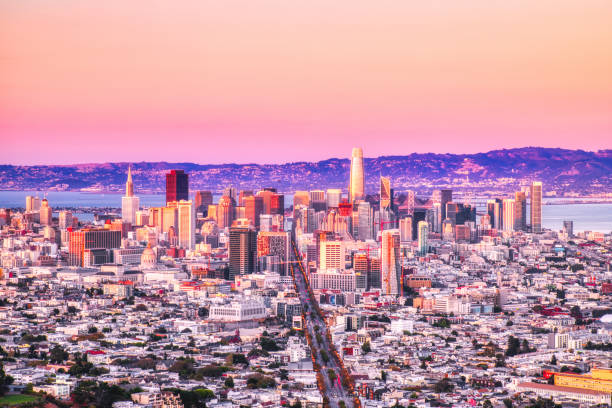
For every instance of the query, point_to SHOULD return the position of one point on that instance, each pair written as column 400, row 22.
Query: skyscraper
column 186, row 224
column 357, row 182
column 275, row 244
column 390, row 262
column 536, row 207
column 177, row 186
column 242, row 195
column 385, row 193
column 231, row 193
column 65, row 220
column 364, row 221
column 452, row 209
column 520, row 212
column 202, row 200
column 443, row 197
column 225, row 212
column 242, row 251
column 266, row 195
column 333, row 197
column 277, row 204
column 405, row 226
column 423, row 230
column 129, row 203
column 253, row 208
column 45, row 213
column 32, row 203
column 317, row 200
column 301, row 198
column 568, row 228
column 167, row 217
column 495, row 211
column 509, row 214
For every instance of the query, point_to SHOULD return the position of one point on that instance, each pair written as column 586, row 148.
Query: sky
column 274, row 81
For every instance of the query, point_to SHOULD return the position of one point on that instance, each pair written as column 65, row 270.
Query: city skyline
column 190, row 220
column 460, row 79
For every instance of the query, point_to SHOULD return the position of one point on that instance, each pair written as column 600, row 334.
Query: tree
column 576, row 313
column 5, row 380
column 383, row 376
column 98, row 394
column 268, row 344
column 525, row 348
column 365, row 347
column 193, row 399
column 487, row 404
column 260, row 381
column 443, row 386
column 553, row 360
column 58, row 354
column 507, row 402
column 236, row 358
column 443, row 323
column 514, row 346
column 229, row 382
column 203, row 312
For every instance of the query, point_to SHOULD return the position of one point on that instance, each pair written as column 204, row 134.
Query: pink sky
column 274, row 81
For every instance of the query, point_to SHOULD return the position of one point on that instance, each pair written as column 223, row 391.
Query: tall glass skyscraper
column 536, row 207
column 356, row 184
column 520, row 213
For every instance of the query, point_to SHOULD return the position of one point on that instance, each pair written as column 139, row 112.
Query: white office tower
column 423, row 231
column 390, row 262
column 334, row 196
column 509, row 214
column 129, row 203
column 186, row 224
column 405, row 225
column 356, row 183
column 332, row 255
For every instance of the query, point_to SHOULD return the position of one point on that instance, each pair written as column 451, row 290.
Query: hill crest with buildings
column 561, row 170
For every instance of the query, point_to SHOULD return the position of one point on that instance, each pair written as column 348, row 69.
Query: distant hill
column 559, row 169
